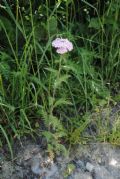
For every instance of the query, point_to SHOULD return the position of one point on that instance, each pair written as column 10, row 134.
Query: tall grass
column 38, row 94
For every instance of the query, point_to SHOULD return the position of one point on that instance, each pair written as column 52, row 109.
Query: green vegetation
column 47, row 94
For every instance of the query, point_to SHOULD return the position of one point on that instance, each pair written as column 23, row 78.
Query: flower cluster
column 62, row 45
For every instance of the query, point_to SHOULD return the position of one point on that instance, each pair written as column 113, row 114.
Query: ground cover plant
column 48, row 92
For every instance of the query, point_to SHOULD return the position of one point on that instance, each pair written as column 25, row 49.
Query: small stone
column 27, row 155
column 82, row 176
column 50, row 173
column 35, row 166
column 101, row 172
column 89, row 167
column 80, row 164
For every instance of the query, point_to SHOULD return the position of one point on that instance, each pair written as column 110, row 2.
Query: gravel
column 93, row 161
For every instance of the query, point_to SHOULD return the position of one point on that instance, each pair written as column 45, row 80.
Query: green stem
column 57, row 78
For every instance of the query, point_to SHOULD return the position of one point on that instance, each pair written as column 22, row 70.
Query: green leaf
column 44, row 115
column 48, row 135
column 55, row 122
column 5, row 69
column 61, row 148
column 61, row 102
column 94, row 23
column 40, row 32
column 99, row 89
column 74, row 67
column 52, row 24
column 8, row 26
column 59, row 81
column 7, row 139
column 61, row 134
column 87, row 55
column 10, row 107
column 52, row 70
column 117, row 97
column 51, row 101
column 37, row 81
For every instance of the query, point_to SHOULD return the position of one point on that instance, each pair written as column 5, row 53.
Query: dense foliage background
column 38, row 94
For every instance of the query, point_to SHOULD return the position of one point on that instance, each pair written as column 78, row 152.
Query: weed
column 39, row 87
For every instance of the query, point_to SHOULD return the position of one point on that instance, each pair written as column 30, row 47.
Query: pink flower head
column 62, row 45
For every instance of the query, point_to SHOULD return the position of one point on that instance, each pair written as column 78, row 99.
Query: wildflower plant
column 56, row 128
column 62, row 47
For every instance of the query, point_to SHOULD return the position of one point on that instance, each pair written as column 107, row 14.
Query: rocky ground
column 91, row 161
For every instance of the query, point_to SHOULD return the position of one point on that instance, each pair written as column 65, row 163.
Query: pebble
column 35, row 166
column 82, row 176
column 50, row 173
column 80, row 164
column 89, row 167
column 100, row 172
